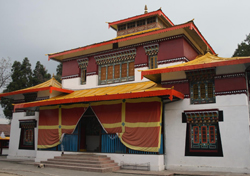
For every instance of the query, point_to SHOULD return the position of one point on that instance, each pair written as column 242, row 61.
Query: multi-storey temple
column 157, row 94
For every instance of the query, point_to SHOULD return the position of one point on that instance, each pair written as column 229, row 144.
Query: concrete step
column 89, row 158
column 76, row 160
column 90, row 169
column 84, row 155
column 100, row 165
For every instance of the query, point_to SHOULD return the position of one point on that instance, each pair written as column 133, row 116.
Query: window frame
column 203, row 119
column 29, row 125
column 83, row 77
column 205, row 98
column 155, row 61
column 113, row 79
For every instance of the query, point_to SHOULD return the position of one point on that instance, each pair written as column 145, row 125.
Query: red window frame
column 203, row 129
column 212, row 135
column 196, row 135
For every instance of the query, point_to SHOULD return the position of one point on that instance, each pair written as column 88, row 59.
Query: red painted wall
column 141, row 56
column 181, row 87
column 230, row 84
column 189, row 51
column 171, row 49
column 70, row 68
column 92, row 66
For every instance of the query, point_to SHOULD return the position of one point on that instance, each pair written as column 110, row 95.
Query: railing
column 112, row 144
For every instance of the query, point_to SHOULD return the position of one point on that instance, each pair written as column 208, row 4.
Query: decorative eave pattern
column 83, row 63
column 151, row 50
column 116, row 57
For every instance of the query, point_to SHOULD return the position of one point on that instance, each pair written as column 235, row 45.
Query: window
column 131, row 25
column 202, row 88
column 151, row 20
column 83, row 76
column 121, row 27
column 153, row 62
column 116, row 73
column 140, row 22
column 27, row 134
column 203, row 135
column 116, row 67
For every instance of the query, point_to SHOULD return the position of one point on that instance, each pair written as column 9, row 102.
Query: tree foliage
column 243, row 48
column 59, row 73
column 40, row 74
column 23, row 77
column 5, row 72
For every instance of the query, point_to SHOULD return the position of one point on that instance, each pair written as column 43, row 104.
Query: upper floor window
column 202, row 88
column 153, row 62
column 151, row 20
column 116, row 67
column 83, row 76
column 83, row 63
column 121, row 27
column 131, row 25
column 152, row 51
column 141, row 22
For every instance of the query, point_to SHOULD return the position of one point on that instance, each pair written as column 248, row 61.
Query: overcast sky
column 32, row 29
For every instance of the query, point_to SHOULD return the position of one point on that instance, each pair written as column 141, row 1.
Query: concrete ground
column 27, row 168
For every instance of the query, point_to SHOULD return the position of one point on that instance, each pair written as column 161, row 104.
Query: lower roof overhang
column 50, row 88
column 155, row 74
column 171, row 93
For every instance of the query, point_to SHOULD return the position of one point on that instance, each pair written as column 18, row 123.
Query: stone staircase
column 84, row 162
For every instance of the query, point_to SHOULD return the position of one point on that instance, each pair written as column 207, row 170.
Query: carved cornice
column 116, row 57
column 151, row 50
column 83, row 63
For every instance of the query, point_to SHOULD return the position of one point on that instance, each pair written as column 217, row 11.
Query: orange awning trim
column 189, row 25
column 125, row 91
column 50, row 85
column 200, row 65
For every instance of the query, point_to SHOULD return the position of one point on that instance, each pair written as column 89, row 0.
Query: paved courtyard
column 15, row 168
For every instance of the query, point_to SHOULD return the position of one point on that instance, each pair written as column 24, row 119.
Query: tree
column 5, row 73
column 243, row 48
column 40, row 74
column 21, row 78
column 59, row 72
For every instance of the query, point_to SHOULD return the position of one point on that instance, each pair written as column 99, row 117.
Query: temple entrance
column 89, row 136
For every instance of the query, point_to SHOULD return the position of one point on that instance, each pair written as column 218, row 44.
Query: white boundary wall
column 14, row 151
column 234, row 131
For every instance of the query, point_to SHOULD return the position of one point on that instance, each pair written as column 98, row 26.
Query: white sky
column 32, row 29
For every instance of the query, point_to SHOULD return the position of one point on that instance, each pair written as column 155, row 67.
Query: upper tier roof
column 158, row 13
column 205, row 61
column 188, row 29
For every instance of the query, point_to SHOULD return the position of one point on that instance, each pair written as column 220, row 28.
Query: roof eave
column 171, row 92
column 153, row 74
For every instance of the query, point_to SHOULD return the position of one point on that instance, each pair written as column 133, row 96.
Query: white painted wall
column 156, row 161
column 14, row 152
column 234, row 131
column 5, row 151
column 92, row 81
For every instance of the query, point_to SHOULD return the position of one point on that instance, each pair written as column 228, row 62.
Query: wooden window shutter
column 83, row 76
column 124, row 70
column 131, row 69
column 103, row 73
column 117, row 71
column 110, row 72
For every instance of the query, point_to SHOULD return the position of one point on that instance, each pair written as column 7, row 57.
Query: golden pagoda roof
column 205, row 61
column 125, row 91
column 51, row 84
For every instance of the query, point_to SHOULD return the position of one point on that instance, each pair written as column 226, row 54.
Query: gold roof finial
column 146, row 9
